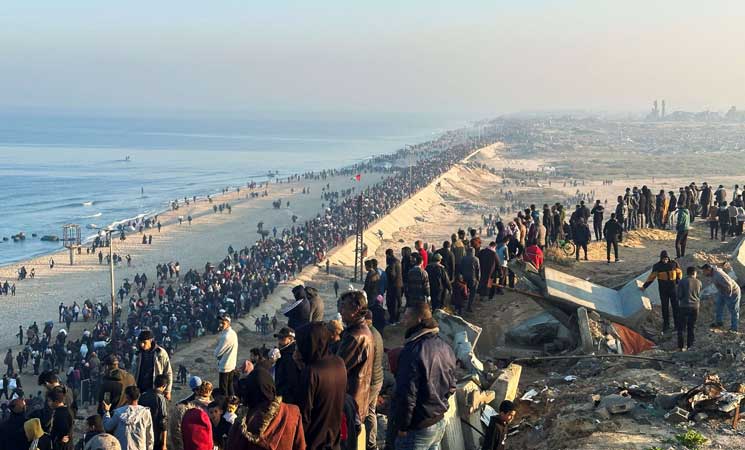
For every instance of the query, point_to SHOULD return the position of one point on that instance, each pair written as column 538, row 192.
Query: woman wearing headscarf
column 265, row 422
column 324, row 384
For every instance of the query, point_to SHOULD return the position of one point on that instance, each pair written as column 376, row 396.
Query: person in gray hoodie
column 689, row 299
column 132, row 424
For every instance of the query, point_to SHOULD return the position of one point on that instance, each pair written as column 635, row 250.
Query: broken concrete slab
column 585, row 334
column 471, row 398
column 738, row 260
column 627, row 307
column 677, row 415
column 617, row 404
column 454, row 438
column 505, row 386
column 538, row 330
column 515, row 353
column 450, row 325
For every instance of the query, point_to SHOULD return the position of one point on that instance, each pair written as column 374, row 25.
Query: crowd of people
column 321, row 387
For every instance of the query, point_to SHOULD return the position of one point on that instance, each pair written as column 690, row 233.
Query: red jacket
column 534, row 255
column 425, row 257
column 196, row 430
column 278, row 428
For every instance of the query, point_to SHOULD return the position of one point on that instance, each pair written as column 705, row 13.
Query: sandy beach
column 207, row 239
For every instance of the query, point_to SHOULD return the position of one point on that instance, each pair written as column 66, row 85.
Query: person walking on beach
column 51, row 263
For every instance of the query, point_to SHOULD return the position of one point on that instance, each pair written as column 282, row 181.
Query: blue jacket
column 425, row 379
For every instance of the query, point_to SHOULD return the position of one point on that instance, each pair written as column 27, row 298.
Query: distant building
column 663, row 109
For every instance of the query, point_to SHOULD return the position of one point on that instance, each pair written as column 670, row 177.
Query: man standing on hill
column 471, row 271
column 151, row 361
column 226, row 353
column 597, row 220
column 688, row 292
column 613, row 232
column 394, row 278
column 667, row 273
column 682, row 226
column 424, row 381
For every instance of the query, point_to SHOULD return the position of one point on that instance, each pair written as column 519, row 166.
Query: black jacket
column 439, row 283
column 612, row 231
column 13, row 435
column 287, row 376
column 394, row 276
column 448, row 261
column 299, row 315
column 417, row 284
column 425, row 378
column 496, row 434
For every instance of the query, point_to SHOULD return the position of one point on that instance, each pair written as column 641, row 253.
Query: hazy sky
column 472, row 57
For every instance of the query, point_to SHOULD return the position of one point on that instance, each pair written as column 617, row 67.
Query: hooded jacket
column 174, row 434
column 279, row 427
column 470, row 268
column 299, row 315
column 425, row 378
column 115, row 382
column 316, row 304
column 324, row 381
column 286, row 375
column 132, row 426
column 196, row 430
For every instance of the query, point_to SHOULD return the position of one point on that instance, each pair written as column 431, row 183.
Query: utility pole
column 111, row 277
column 359, row 256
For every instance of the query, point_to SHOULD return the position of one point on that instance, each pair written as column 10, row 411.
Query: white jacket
column 227, row 351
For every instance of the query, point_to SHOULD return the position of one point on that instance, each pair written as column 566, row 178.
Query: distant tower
column 663, row 108
column 655, row 110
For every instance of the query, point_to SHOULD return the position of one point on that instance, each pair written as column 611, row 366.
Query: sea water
column 94, row 170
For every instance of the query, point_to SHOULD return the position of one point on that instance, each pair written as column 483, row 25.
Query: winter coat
column 196, row 430
column 684, row 220
column 286, row 375
column 448, row 261
column 459, row 251
column 299, row 315
column 114, row 383
column 132, row 426
column 371, row 285
column 316, row 304
column 324, row 384
column 460, row 294
column 174, row 433
column 393, row 273
column 581, row 234
column 470, row 269
column 226, row 351
column 612, row 231
column 161, row 366
column 488, row 265
column 425, row 378
column 278, row 428
column 439, row 283
column 417, row 284
column 357, row 349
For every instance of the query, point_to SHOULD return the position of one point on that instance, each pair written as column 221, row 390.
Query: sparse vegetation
column 691, row 439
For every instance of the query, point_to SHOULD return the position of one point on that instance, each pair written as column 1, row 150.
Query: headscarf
column 258, row 388
column 313, row 342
